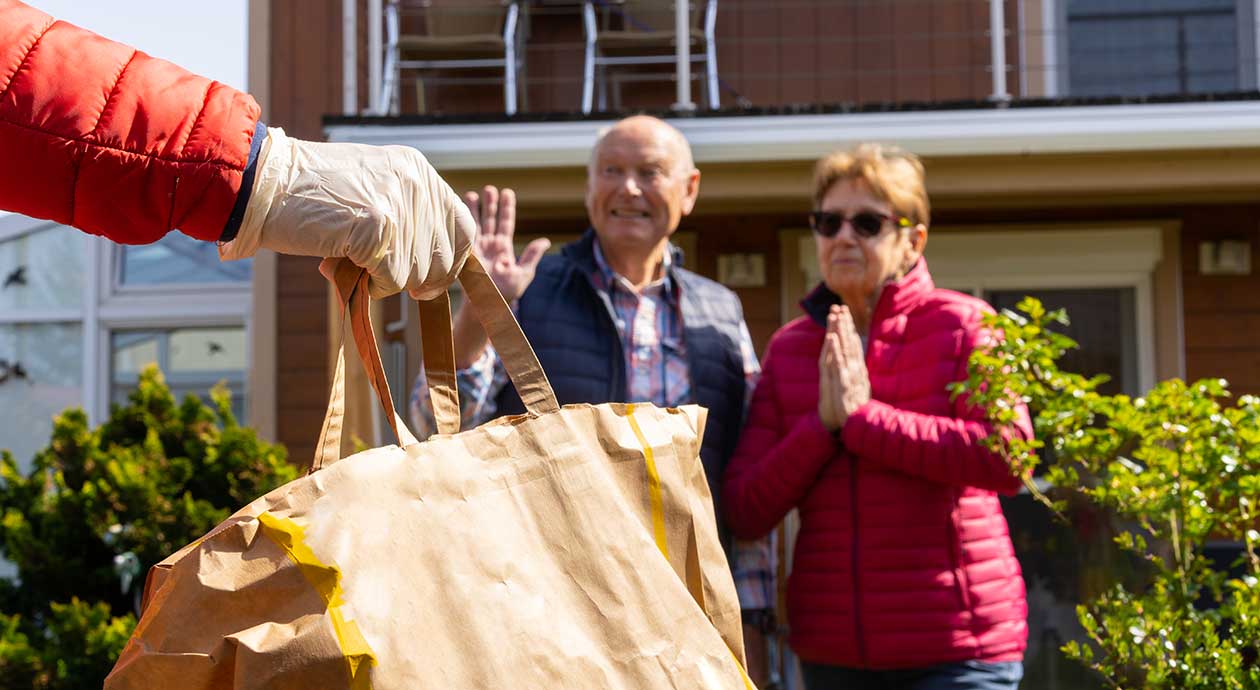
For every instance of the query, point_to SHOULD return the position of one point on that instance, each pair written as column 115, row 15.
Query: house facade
column 1103, row 156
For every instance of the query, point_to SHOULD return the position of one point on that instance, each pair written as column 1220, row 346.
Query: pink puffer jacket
column 903, row 559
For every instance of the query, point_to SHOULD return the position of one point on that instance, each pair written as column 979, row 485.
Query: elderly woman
column 903, row 574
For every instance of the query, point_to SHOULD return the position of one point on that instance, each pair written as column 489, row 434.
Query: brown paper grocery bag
column 568, row 547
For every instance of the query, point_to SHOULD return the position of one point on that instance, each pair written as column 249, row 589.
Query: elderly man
column 614, row 317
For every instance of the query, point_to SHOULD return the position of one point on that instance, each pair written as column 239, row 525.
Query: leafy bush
column 98, row 508
column 1178, row 464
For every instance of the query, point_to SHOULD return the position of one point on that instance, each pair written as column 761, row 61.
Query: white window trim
column 42, row 316
column 114, row 308
column 1052, row 48
column 962, row 133
column 107, row 307
column 1000, row 259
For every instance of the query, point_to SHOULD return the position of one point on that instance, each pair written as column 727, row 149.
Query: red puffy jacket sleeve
column 947, row 450
column 98, row 135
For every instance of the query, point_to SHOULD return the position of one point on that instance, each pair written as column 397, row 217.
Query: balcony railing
column 564, row 56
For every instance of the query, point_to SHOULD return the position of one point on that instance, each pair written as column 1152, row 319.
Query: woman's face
column 854, row 266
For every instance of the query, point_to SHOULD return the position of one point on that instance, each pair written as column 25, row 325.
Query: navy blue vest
column 572, row 329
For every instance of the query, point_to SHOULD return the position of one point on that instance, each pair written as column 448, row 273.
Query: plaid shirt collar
column 605, row 277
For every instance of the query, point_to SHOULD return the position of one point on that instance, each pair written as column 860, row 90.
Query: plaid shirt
column 649, row 322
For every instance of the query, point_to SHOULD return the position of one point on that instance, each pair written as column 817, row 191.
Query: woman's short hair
column 892, row 174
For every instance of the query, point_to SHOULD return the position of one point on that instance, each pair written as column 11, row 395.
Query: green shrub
column 1179, row 465
column 98, row 508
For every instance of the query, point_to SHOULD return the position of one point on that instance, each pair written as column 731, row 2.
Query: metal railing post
column 349, row 57
column 997, row 49
column 682, row 54
column 376, row 51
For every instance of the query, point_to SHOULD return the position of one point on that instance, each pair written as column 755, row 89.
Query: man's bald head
column 640, row 183
column 648, row 128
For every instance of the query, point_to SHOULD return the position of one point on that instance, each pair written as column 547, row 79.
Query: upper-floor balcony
column 538, row 58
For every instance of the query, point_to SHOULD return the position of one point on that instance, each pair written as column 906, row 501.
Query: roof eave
column 957, row 133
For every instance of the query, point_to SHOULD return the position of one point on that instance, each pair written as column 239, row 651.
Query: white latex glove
column 383, row 207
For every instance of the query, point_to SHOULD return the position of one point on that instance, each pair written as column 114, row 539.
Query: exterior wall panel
column 1222, row 313
column 305, row 84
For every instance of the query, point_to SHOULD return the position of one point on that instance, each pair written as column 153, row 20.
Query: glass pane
column 178, row 258
column 1211, row 54
column 1104, row 324
column 193, row 360
column 133, row 351
column 43, row 270
column 41, row 369
column 1150, row 47
column 207, row 349
column 1108, row 7
column 1123, row 57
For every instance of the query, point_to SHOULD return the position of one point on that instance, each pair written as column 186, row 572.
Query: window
column 41, row 333
column 41, row 374
column 178, row 259
column 1103, row 323
column 80, row 317
column 1154, row 47
column 192, row 359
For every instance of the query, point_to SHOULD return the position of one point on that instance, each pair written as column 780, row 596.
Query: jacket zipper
column 853, row 508
column 857, row 594
column 853, row 497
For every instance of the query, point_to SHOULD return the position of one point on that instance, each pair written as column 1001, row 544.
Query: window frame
column 978, row 261
column 106, row 307
column 1058, row 67
column 159, row 308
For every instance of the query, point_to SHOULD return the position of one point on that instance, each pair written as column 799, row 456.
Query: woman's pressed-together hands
column 843, row 384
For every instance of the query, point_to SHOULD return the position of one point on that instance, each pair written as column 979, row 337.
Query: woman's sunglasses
column 865, row 223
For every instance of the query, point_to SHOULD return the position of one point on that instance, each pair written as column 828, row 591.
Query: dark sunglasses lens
column 868, row 224
column 826, row 224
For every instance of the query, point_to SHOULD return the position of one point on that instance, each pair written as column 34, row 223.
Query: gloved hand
column 383, row 207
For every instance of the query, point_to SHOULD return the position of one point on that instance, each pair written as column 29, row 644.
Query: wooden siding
column 305, row 84
column 1222, row 313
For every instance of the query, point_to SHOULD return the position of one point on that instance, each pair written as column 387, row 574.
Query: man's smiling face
column 640, row 184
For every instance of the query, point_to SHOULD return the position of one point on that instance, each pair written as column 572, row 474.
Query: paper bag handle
column 508, row 339
column 514, row 350
column 439, row 354
column 351, row 283
column 505, row 334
